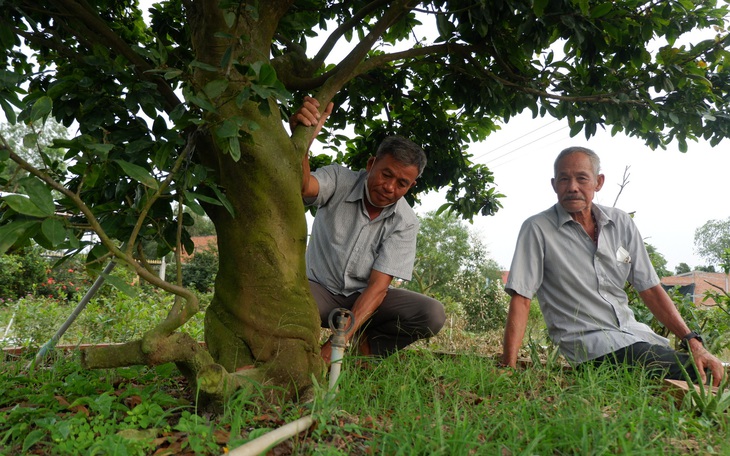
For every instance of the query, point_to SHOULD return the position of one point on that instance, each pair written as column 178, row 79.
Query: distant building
column 202, row 244
column 696, row 283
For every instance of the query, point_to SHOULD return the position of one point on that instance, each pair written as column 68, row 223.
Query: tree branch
column 167, row 326
column 346, row 26
column 81, row 13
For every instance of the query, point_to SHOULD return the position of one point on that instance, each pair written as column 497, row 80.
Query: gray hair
column 592, row 156
column 403, row 150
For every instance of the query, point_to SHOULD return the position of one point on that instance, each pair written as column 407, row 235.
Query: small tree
column 658, row 261
column 711, row 240
column 453, row 265
column 682, row 268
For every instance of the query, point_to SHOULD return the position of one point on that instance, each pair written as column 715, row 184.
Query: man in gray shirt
column 364, row 235
column 577, row 256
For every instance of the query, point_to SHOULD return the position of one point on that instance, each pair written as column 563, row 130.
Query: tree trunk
column 262, row 313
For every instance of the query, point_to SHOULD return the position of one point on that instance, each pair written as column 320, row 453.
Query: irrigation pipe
column 338, row 320
column 48, row 346
column 7, row 330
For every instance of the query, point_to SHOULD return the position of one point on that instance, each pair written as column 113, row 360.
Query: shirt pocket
column 362, row 262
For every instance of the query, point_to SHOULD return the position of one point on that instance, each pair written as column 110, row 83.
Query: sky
column 671, row 193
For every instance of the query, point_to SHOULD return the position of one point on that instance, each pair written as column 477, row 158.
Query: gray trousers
column 403, row 317
column 657, row 360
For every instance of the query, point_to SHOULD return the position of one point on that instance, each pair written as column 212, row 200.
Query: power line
column 525, row 145
column 516, row 139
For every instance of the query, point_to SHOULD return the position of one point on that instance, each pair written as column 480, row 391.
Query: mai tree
column 189, row 109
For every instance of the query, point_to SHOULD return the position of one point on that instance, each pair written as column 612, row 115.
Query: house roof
column 702, row 282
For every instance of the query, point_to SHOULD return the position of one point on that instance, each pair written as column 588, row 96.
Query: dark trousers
column 657, row 360
column 403, row 317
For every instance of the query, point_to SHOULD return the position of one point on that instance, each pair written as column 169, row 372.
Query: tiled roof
column 702, row 281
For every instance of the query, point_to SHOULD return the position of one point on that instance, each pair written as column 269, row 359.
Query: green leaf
column 41, row 108
column 14, row 232
column 138, row 173
column 538, row 7
column 601, row 10
column 39, row 194
column 203, row 66
column 101, row 149
column 32, row 438
column 215, row 88
column 172, row 74
column 230, row 18
column 206, row 199
column 576, row 128
column 9, row 111
column 193, row 205
column 120, row 285
column 23, row 205
column 226, row 203
column 267, row 75
column 227, row 129
column 234, row 148
column 30, row 140
column 54, row 230
column 202, row 102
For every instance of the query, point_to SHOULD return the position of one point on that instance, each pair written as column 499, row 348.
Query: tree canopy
column 447, row 253
column 188, row 111
column 712, row 240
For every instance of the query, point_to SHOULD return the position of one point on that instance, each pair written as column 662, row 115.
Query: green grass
column 417, row 402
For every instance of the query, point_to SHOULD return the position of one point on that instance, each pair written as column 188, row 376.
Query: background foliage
column 453, row 266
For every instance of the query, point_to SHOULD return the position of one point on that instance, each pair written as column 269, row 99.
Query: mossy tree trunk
column 262, row 313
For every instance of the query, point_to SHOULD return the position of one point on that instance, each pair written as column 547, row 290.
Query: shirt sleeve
column 642, row 275
column 526, row 271
column 397, row 252
column 327, row 179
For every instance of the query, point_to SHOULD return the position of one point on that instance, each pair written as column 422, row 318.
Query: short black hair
column 404, row 150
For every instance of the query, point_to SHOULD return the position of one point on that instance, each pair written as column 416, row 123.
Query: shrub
column 486, row 310
column 65, row 281
column 199, row 273
column 20, row 272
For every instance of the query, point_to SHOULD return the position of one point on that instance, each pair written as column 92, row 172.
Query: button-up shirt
column 346, row 245
column 580, row 286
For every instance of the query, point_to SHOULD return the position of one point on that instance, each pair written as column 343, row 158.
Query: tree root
column 195, row 362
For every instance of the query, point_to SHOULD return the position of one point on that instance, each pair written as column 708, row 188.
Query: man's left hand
column 705, row 360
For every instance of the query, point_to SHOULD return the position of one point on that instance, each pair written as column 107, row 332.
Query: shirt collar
column 357, row 194
column 563, row 216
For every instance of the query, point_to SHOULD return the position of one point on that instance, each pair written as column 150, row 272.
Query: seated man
column 364, row 235
column 577, row 256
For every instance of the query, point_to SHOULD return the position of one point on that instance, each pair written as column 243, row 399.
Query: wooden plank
column 679, row 388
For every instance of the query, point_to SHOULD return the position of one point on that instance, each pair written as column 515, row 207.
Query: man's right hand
column 326, row 352
column 308, row 115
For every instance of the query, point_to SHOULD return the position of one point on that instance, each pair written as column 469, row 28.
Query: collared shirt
column 346, row 245
column 580, row 287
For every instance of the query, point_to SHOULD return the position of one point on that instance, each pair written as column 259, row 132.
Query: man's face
column 576, row 183
column 389, row 179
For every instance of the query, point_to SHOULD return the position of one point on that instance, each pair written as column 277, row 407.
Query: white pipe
column 7, row 330
column 261, row 444
column 268, row 440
